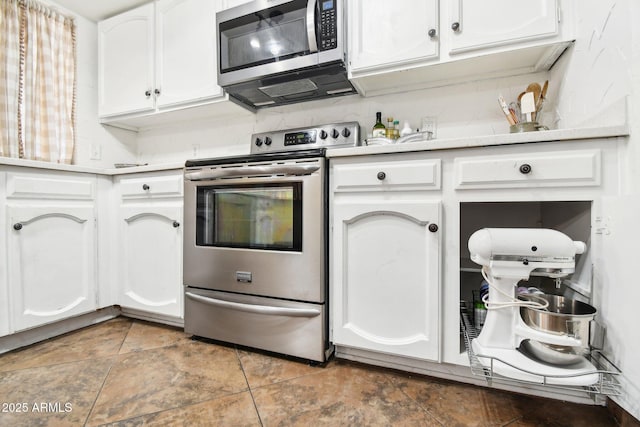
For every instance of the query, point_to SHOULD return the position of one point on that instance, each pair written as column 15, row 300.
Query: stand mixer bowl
column 564, row 317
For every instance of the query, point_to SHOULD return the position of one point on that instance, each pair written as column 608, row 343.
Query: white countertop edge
column 485, row 140
column 7, row 161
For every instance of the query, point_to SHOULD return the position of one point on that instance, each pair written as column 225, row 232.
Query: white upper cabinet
column 427, row 43
column 186, row 51
column 158, row 56
column 126, row 73
column 383, row 35
column 477, row 25
column 228, row 4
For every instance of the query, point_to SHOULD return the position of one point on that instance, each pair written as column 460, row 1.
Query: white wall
column 599, row 79
column 463, row 110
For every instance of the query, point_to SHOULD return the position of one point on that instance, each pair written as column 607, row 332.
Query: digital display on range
column 299, row 138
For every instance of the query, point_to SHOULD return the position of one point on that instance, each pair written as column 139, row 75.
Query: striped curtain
column 37, row 82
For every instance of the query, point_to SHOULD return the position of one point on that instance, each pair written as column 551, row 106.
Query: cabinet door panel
column 125, row 46
column 383, row 35
column 186, row 70
column 151, row 254
column 386, row 277
column 499, row 22
column 51, row 263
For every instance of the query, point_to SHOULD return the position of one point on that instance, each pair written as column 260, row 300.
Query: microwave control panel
column 328, row 25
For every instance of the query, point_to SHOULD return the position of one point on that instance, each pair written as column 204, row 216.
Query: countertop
column 485, row 141
column 5, row 161
column 426, row 145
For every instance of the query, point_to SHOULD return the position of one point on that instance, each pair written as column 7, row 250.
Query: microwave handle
column 311, row 25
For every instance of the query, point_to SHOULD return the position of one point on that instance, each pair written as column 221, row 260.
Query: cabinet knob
column 176, row 224
column 17, row 226
column 432, row 33
column 147, row 93
column 145, row 187
column 157, row 91
column 433, row 228
column 382, row 176
column 455, row 26
column 525, row 168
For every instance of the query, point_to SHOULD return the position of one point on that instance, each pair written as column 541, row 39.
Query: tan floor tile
column 149, row 381
column 145, row 336
column 456, row 404
column 235, row 410
column 92, row 342
column 261, row 369
column 343, row 394
column 544, row 412
column 67, row 392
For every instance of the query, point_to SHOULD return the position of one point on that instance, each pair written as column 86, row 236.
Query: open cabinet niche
column 571, row 217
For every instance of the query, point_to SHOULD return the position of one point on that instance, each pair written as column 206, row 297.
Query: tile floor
column 127, row 372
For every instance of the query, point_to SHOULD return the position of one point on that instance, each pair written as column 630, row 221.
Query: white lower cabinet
column 385, row 257
column 51, row 247
column 52, row 263
column 150, row 259
column 149, row 249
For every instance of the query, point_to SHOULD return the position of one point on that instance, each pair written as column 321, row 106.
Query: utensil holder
column 526, row 127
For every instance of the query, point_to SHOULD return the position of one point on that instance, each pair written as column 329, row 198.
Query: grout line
column 104, row 381
column 248, row 386
column 99, row 392
column 425, row 410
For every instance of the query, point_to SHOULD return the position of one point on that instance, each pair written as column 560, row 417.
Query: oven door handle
column 251, row 171
column 257, row 309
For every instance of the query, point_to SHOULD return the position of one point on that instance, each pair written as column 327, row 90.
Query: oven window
column 267, row 216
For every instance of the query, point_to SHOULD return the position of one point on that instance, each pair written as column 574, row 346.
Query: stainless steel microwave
column 274, row 52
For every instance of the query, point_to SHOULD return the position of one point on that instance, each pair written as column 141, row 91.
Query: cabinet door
column 126, row 56
column 151, row 259
column 386, row 277
column 385, row 34
column 481, row 24
column 186, row 51
column 51, row 263
column 228, row 4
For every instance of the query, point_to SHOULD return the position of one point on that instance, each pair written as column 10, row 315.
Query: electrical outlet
column 196, row 149
column 96, row 151
column 429, row 124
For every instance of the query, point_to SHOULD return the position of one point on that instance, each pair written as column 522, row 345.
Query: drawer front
column 32, row 186
column 145, row 187
column 557, row 169
column 422, row 174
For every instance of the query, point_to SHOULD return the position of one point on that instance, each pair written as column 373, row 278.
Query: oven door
column 259, row 234
column 261, row 38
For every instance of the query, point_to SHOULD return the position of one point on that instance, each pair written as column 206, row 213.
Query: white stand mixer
column 508, row 255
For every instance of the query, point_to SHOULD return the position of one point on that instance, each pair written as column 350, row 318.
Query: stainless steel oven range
column 255, row 242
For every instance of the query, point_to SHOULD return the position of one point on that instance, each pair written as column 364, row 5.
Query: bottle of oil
column 379, row 130
column 389, row 130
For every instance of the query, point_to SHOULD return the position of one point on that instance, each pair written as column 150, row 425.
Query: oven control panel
column 335, row 135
